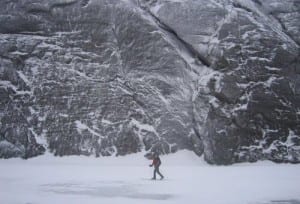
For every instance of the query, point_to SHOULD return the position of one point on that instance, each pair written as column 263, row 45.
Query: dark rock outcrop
column 113, row 77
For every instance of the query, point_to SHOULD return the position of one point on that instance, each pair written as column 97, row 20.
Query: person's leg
column 157, row 170
column 154, row 173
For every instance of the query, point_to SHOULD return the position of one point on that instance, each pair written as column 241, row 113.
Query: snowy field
column 122, row 180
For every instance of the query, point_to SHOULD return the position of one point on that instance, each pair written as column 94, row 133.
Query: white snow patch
column 272, row 68
column 214, row 102
column 155, row 9
column 289, row 140
column 19, row 53
column 32, row 111
column 106, row 122
column 8, row 84
column 221, row 131
column 142, row 126
column 114, row 180
column 63, row 115
column 40, row 139
column 241, row 107
column 49, row 46
column 42, row 118
column 24, row 78
column 270, row 81
column 80, row 127
column 218, row 83
column 260, row 59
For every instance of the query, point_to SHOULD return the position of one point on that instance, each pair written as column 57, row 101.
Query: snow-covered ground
column 189, row 180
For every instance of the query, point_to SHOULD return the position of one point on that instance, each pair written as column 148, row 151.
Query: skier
column 156, row 163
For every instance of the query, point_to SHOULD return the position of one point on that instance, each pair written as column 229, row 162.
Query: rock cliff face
column 114, row 77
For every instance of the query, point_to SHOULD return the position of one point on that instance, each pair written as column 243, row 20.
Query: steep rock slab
column 91, row 77
column 114, row 77
column 253, row 111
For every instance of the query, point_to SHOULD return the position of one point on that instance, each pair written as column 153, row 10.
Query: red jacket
column 156, row 161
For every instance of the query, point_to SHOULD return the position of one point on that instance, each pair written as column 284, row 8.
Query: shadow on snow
column 104, row 189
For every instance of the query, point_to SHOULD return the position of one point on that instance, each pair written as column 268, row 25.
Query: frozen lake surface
column 88, row 180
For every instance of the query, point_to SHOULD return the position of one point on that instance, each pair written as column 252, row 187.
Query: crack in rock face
column 117, row 77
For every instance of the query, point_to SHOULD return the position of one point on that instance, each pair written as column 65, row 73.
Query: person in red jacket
column 156, row 163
